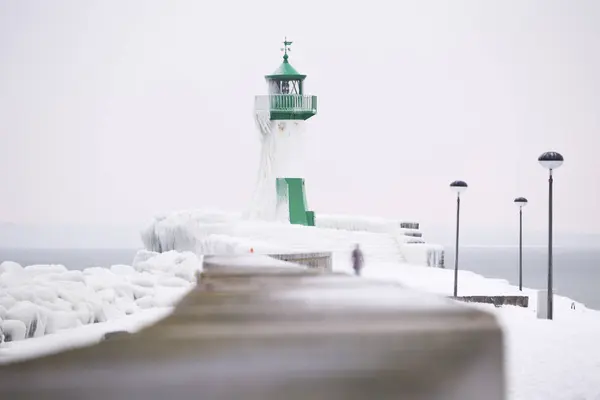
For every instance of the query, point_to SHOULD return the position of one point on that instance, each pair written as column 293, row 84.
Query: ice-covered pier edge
column 219, row 233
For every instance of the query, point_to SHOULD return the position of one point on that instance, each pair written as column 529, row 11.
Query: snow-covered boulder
column 145, row 302
column 10, row 267
column 123, row 270
column 6, row 301
column 143, row 279
column 70, row 276
column 166, row 297
column 13, row 330
column 141, row 291
column 101, row 278
column 31, row 315
column 181, row 230
column 60, row 320
column 44, row 299
column 22, row 292
column 142, row 256
column 127, row 307
column 172, row 281
column 44, row 269
column 107, row 295
column 124, row 291
column 183, row 265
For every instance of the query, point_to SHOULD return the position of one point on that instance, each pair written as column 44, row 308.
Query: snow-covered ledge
column 217, row 233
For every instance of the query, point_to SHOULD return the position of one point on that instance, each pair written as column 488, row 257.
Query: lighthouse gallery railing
column 286, row 102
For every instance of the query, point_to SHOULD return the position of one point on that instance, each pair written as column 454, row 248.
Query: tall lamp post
column 550, row 160
column 457, row 187
column 521, row 202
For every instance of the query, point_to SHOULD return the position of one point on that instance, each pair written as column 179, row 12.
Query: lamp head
column 458, row 187
column 551, row 160
column 521, row 202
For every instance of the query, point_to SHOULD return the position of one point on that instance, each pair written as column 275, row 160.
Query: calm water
column 576, row 270
column 70, row 258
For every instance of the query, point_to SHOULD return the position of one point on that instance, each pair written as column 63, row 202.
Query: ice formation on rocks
column 37, row 300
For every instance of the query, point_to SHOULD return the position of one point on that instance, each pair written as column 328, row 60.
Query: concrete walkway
column 258, row 330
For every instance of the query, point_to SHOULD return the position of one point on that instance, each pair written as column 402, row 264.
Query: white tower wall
column 281, row 157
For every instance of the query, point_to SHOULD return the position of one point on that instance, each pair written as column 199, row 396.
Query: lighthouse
column 280, row 118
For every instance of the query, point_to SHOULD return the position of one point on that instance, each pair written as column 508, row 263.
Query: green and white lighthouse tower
column 281, row 118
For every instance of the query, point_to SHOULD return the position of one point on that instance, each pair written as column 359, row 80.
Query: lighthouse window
column 294, row 87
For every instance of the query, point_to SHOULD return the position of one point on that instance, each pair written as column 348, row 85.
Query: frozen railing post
column 542, row 304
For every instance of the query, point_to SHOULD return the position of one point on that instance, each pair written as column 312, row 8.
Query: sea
column 576, row 269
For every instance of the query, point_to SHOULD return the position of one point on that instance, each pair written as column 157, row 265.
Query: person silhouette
column 358, row 260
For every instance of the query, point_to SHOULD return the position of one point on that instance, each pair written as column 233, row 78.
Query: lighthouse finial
column 286, row 48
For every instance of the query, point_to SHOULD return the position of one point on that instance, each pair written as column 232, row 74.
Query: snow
column 216, row 234
column 369, row 297
column 39, row 301
column 546, row 360
column 82, row 336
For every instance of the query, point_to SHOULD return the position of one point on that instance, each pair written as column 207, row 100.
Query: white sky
column 114, row 110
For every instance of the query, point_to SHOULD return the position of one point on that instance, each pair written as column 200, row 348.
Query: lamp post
column 457, row 187
column 521, row 202
column 550, row 160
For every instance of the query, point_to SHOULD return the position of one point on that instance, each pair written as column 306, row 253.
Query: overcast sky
column 114, row 110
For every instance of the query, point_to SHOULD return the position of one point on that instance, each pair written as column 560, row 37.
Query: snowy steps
column 271, row 330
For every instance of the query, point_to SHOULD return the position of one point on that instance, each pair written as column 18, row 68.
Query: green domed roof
column 285, row 70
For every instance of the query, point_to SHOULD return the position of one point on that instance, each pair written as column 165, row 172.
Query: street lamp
column 521, row 202
column 458, row 187
column 550, row 160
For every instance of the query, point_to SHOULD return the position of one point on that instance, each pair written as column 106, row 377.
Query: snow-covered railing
column 285, row 103
column 321, row 261
column 431, row 255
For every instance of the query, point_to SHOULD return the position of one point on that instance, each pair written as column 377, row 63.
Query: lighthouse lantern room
column 286, row 99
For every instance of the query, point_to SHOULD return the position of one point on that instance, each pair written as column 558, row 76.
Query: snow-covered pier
column 259, row 328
